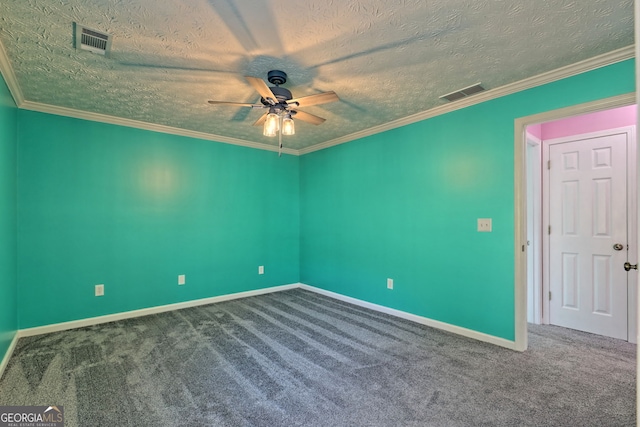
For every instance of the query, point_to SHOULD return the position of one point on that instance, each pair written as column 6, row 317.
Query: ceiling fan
column 282, row 106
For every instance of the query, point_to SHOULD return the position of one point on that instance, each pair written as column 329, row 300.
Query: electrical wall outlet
column 389, row 283
column 484, row 224
column 182, row 279
column 99, row 290
column 261, row 269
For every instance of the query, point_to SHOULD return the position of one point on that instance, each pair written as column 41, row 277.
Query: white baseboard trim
column 8, row 354
column 418, row 319
column 39, row 330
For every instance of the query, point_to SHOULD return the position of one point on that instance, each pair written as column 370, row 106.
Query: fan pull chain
column 280, row 139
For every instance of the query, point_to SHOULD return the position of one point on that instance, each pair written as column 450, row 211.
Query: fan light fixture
column 271, row 124
column 288, row 127
column 282, row 105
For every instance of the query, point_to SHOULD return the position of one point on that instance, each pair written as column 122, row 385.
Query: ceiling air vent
column 463, row 93
column 92, row 40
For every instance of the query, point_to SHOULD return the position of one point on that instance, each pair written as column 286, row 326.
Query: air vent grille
column 92, row 40
column 463, row 93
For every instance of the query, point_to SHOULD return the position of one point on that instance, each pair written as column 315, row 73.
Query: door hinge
column 522, row 248
column 548, row 164
column 549, row 295
column 549, row 231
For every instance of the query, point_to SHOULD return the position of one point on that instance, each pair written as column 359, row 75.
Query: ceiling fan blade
column 236, row 104
column 262, row 88
column 261, row 120
column 319, row 98
column 309, row 118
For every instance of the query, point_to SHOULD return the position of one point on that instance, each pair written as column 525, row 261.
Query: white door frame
column 534, row 227
column 636, row 30
column 520, row 198
column 632, row 252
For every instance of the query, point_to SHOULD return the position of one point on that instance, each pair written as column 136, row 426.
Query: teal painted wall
column 132, row 209
column 404, row 204
column 8, row 266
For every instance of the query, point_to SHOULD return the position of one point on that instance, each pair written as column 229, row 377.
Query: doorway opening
column 542, row 264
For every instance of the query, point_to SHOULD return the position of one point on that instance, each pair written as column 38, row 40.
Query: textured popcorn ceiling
column 386, row 59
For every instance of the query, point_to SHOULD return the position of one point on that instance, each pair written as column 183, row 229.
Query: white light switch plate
column 99, row 290
column 389, row 283
column 261, row 269
column 484, row 224
column 182, row 279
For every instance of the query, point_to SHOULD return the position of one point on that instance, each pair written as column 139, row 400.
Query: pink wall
column 535, row 130
column 593, row 122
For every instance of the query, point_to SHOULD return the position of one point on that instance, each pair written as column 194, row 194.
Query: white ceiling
column 386, row 59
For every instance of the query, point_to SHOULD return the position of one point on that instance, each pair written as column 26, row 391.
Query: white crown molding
column 576, row 110
column 541, row 79
column 10, row 77
column 590, row 64
column 12, row 83
column 103, row 118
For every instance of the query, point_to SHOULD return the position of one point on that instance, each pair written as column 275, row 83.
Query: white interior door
column 587, row 217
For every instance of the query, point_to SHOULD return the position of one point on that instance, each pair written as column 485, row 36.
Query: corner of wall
column 4, row 362
column 8, row 222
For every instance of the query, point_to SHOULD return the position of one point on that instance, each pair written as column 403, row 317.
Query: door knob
column 628, row 266
column 618, row 247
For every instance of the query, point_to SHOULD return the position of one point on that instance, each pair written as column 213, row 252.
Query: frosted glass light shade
column 271, row 125
column 288, row 127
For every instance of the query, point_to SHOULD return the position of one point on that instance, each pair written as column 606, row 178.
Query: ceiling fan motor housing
column 281, row 94
column 280, row 101
column 277, row 77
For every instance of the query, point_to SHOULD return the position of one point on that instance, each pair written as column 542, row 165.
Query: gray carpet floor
column 296, row 358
